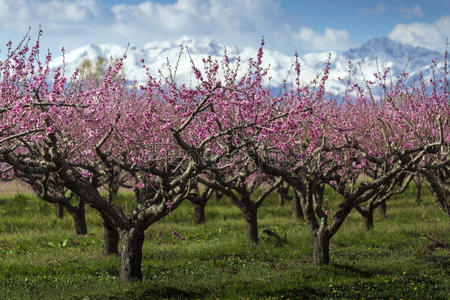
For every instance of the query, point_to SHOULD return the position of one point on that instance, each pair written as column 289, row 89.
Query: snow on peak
column 374, row 55
column 387, row 49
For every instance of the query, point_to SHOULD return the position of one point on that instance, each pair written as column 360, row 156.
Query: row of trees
column 68, row 136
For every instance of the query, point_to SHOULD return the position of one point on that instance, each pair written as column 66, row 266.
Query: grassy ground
column 42, row 258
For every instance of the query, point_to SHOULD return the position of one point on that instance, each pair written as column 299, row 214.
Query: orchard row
column 69, row 136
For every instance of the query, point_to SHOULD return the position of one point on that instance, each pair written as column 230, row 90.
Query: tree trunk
column 419, row 193
column 252, row 223
column 79, row 217
column 59, row 211
column 110, row 240
column 110, row 236
column 383, row 208
column 368, row 219
column 131, row 242
column 321, row 247
column 199, row 213
column 283, row 194
column 218, row 194
column 441, row 195
column 280, row 200
column 297, row 212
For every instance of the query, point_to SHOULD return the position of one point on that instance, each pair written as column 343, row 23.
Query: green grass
column 41, row 257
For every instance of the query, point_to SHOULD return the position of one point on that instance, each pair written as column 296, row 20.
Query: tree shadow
column 351, row 268
column 305, row 292
column 442, row 262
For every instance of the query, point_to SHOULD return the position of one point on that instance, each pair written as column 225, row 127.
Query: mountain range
column 373, row 56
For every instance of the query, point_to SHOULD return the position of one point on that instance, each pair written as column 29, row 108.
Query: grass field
column 42, row 258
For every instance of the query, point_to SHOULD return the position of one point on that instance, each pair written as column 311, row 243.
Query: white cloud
column 410, row 12
column 231, row 22
column 331, row 39
column 28, row 12
column 230, row 19
column 431, row 36
column 443, row 25
column 235, row 22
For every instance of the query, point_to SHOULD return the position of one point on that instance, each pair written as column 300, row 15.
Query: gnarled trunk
column 131, row 242
column 283, row 194
column 110, row 240
column 199, row 213
column 367, row 214
column 218, row 194
column 297, row 212
column 110, row 236
column 79, row 217
column 251, row 219
column 383, row 208
column 281, row 199
column 418, row 192
column 368, row 219
column 321, row 247
column 59, row 211
column 441, row 195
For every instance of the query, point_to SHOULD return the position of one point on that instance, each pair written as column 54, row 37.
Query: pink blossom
column 408, row 145
column 50, row 129
column 86, row 174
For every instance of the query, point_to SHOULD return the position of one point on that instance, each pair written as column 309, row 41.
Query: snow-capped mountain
column 373, row 56
column 398, row 57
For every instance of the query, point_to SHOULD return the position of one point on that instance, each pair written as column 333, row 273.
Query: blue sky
column 287, row 25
